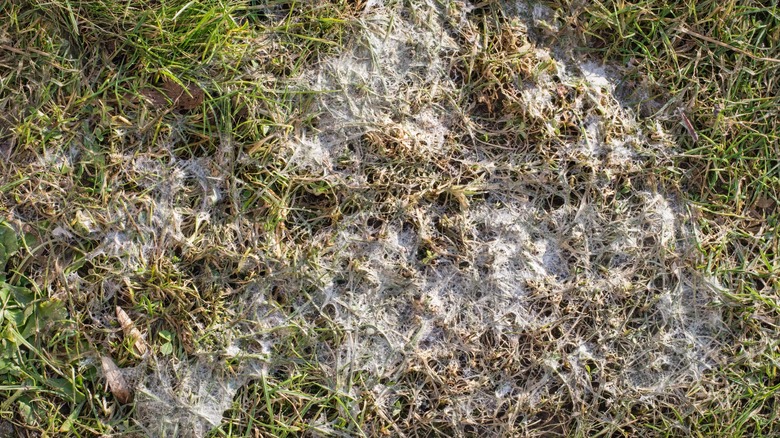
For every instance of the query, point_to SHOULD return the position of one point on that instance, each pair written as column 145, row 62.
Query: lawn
column 389, row 218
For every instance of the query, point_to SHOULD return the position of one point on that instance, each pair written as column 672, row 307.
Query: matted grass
column 401, row 219
column 719, row 62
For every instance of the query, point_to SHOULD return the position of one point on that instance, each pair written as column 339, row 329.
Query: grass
column 718, row 61
column 167, row 158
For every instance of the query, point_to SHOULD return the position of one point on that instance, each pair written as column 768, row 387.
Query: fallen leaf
column 116, row 382
column 131, row 332
column 173, row 94
column 765, row 202
column 183, row 98
column 156, row 98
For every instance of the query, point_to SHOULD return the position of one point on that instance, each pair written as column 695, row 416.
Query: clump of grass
column 718, row 62
column 111, row 111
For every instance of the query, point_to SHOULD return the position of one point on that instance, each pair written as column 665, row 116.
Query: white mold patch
column 586, row 300
column 509, row 278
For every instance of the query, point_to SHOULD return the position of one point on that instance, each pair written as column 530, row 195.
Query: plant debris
column 131, row 332
column 116, row 381
column 173, row 95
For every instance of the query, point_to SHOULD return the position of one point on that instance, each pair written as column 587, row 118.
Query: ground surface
column 389, row 218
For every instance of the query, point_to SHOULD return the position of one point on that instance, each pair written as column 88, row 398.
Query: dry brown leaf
column 175, row 95
column 116, row 381
column 765, row 202
column 156, row 98
column 131, row 332
column 183, row 98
